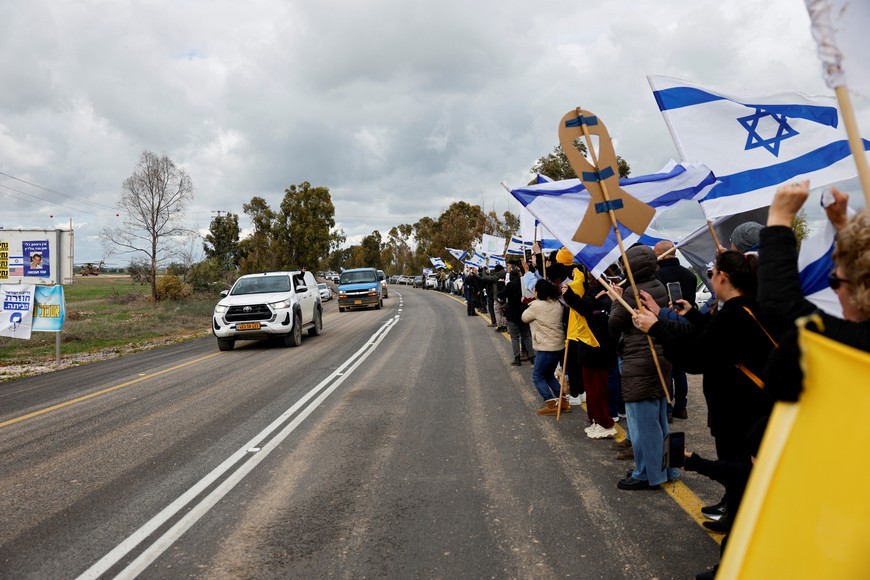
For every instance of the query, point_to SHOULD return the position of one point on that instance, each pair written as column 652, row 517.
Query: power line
column 54, row 191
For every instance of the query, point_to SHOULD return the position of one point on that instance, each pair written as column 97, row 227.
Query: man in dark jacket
column 490, row 283
column 670, row 270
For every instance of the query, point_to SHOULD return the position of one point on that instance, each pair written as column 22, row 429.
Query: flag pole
column 855, row 141
column 614, row 223
column 562, row 382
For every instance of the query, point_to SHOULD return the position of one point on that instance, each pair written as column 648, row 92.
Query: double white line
column 242, row 461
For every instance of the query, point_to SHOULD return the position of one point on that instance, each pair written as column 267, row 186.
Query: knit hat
column 565, row 257
column 745, row 236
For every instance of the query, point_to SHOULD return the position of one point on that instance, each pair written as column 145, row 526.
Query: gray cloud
column 400, row 108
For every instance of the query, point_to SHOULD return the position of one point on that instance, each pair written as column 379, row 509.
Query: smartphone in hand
column 674, row 293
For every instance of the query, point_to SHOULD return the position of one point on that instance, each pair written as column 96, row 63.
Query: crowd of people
column 622, row 345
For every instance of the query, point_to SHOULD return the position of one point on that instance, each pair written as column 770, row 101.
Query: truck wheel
column 226, row 343
column 341, row 308
column 294, row 338
column 318, row 324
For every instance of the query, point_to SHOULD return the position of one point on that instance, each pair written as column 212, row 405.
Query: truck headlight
column 220, row 309
column 281, row 305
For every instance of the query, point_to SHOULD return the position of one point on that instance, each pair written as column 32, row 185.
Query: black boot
column 517, row 362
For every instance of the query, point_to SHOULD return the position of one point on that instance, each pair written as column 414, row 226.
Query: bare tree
column 153, row 202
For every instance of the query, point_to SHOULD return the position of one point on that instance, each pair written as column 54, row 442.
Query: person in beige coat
column 544, row 316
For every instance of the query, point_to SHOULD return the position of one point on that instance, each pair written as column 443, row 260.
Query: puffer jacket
column 640, row 379
column 545, row 319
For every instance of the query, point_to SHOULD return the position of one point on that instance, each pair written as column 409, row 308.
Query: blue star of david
column 754, row 140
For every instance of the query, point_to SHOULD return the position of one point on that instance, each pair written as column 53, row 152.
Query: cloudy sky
column 399, row 108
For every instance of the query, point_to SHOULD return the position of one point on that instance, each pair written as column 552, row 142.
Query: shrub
column 171, row 287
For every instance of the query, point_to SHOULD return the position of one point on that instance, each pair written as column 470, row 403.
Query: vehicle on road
column 418, row 281
column 268, row 305
column 325, row 291
column 385, row 288
column 457, row 287
column 359, row 287
column 432, row 281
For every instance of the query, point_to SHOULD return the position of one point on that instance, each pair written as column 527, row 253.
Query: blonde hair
column 852, row 254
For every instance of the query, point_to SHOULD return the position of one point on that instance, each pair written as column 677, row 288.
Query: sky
column 399, row 108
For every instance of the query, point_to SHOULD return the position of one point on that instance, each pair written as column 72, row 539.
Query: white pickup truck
column 262, row 306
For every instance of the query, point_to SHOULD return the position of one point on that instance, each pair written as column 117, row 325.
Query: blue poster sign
column 49, row 309
column 36, row 259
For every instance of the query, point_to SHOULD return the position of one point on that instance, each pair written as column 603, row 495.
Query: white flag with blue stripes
column 437, row 262
column 458, row 254
column 561, row 205
column 516, row 246
column 754, row 144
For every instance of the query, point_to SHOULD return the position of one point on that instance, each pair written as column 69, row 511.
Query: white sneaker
column 591, row 427
column 615, row 419
column 603, row 433
column 576, row 401
column 594, row 431
column 582, row 396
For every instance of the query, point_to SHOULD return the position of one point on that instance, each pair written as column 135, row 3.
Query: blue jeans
column 648, row 423
column 544, row 373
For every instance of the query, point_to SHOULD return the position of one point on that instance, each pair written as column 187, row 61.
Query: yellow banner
column 806, row 512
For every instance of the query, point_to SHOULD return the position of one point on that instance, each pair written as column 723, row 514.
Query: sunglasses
column 834, row 282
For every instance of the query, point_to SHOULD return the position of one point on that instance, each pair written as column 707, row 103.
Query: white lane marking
column 166, row 540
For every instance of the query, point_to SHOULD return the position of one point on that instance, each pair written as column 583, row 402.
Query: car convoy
column 283, row 304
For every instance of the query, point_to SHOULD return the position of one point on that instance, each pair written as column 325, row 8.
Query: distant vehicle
column 359, row 287
column 432, row 281
column 403, row 280
column 457, row 286
column 90, row 270
column 267, row 305
column 325, row 291
column 385, row 288
column 702, row 294
column 418, row 281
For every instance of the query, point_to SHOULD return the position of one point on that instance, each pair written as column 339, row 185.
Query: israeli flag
column 561, row 205
column 493, row 261
column 533, row 229
column 516, row 246
column 477, row 260
column 458, row 254
column 815, row 263
column 437, row 262
column 754, row 144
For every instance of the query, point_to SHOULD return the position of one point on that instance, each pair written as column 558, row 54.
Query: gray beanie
column 745, row 236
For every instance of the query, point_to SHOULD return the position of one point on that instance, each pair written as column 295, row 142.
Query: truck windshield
column 261, row 285
column 358, row 277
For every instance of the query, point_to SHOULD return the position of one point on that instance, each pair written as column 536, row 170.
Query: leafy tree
column 371, row 250
column 153, row 201
column 304, row 225
column 555, row 165
column 256, row 250
column 801, row 227
column 503, row 228
column 222, row 241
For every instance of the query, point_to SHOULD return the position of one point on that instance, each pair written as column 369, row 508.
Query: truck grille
column 248, row 313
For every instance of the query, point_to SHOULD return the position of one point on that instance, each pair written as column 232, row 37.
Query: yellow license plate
column 357, row 301
column 249, row 326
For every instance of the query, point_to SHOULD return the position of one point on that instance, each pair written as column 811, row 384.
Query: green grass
column 106, row 312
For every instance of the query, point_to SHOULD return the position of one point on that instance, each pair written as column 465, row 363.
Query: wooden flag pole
column 562, row 382
column 614, row 223
column 648, row 337
column 855, row 142
column 713, row 233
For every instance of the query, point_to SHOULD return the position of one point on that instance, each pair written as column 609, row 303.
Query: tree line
column 299, row 233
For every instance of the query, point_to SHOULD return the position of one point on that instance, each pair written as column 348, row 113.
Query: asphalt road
column 398, row 444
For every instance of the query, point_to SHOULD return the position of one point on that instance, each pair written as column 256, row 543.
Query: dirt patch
column 21, row 370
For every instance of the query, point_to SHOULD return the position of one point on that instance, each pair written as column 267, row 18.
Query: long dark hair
column 546, row 290
column 742, row 270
